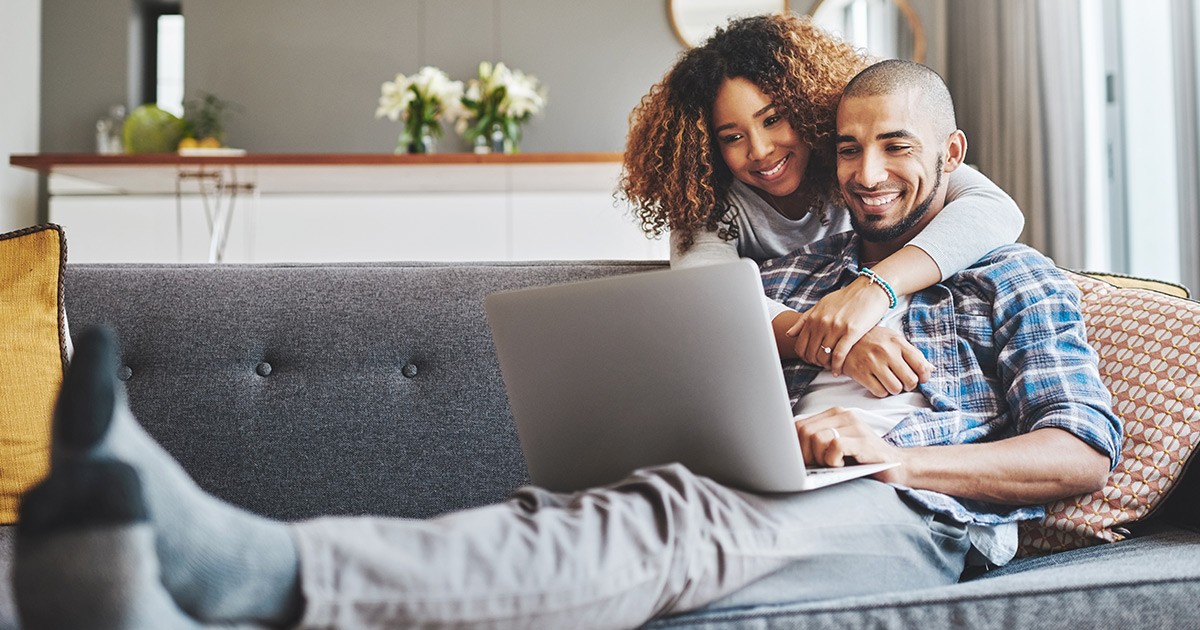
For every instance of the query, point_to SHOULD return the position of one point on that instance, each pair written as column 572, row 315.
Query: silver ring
column 836, row 435
column 827, row 349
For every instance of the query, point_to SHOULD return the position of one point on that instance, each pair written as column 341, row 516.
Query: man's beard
column 884, row 234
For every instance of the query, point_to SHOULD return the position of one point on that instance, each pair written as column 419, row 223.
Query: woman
column 733, row 153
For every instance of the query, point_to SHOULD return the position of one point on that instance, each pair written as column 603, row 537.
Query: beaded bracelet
column 881, row 283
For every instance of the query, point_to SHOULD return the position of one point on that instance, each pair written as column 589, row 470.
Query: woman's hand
column 885, row 363
column 825, row 333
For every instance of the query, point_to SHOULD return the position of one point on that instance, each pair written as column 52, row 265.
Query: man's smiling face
column 890, row 163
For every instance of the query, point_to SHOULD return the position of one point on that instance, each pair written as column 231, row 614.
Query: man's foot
column 218, row 561
column 85, row 554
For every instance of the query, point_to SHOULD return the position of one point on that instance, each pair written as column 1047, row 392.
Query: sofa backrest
column 300, row 390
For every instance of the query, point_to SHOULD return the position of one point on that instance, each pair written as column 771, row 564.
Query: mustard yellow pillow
column 33, row 354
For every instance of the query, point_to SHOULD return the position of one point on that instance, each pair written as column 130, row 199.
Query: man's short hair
column 893, row 75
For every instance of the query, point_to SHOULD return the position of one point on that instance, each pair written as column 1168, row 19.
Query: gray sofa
column 300, row 390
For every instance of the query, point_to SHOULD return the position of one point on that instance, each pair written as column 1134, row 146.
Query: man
column 1007, row 418
column 1015, row 414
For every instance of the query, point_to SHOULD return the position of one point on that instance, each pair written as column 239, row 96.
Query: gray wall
column 20, row 32
column 85, row 56
column 307, row 73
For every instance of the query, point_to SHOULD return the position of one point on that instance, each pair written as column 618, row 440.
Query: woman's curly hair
column 673, row 173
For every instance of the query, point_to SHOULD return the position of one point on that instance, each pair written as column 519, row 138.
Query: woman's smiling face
column 757, row 143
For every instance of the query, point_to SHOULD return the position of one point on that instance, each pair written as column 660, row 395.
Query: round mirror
column 889, row 29
column 695, row 20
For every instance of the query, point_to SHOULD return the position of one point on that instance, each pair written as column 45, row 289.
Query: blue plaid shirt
column 1010, row 347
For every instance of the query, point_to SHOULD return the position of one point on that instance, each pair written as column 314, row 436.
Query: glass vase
column 502, row 141
column 418, row 139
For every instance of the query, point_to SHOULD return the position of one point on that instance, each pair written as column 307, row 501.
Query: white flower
column 525, row 96
column 498, row 97
column 431, row 82
column 501, row 76
column 473, row 91
column 430, row 91
column 395, row 98
column 453, row 109
column 428, row 76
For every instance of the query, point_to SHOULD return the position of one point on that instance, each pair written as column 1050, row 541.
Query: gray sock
column 85, row 554
column 218, row 562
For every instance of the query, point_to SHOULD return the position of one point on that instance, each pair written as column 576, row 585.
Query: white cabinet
column 577, row 226
column 445, row 212
column 418, row 226
column 138, row 228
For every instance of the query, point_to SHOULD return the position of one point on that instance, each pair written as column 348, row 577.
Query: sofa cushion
column 32, row 355
column 1147, row 342
column 305, row 390
column 1149, row 582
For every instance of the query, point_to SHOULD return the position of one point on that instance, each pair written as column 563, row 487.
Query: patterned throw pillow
column 1147, row 343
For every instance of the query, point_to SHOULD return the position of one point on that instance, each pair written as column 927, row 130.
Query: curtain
column 1185, row 22
column 1015, row 71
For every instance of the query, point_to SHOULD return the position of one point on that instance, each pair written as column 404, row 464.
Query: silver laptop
column 607, row 376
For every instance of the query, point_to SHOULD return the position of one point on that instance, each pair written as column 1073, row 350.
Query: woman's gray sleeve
column 710, row 249
column 707, row 249
column 978, row 218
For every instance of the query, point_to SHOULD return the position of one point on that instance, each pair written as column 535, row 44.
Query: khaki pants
column 663, row 541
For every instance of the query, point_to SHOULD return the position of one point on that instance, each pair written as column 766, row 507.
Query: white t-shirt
column 881, row 414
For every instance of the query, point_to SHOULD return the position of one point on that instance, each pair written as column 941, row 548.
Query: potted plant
column 422, row 100
column 495, row 106
column 204, row 122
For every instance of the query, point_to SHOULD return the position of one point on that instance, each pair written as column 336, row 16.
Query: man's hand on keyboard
column 837, row 437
